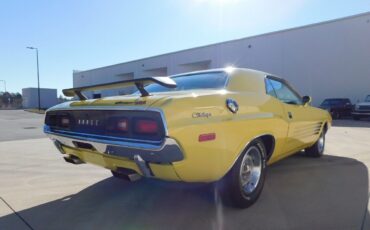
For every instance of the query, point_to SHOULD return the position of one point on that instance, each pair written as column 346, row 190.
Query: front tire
column 317, row 150
column 244, row 182
column 335, row 115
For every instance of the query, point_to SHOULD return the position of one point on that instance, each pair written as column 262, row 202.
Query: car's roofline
column 198, row 72
column 229, row 70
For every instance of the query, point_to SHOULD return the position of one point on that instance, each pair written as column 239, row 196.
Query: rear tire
column 243, row 184
column 317, row 150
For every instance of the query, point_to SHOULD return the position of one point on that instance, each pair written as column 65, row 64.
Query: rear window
column 210, row 80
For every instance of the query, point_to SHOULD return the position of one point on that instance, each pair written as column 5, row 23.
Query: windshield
column 209, row 80
column 333, row 102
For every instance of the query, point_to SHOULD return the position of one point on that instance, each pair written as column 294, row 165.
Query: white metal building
column 328, row 59
column 48, row 98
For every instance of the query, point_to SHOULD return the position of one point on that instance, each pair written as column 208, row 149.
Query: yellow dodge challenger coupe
column 206, row 126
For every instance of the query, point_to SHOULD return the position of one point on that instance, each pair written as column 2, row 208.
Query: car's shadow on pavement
column 300, row 193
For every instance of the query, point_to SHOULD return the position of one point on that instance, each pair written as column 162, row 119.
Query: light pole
column 38, row 73
column 4, row 85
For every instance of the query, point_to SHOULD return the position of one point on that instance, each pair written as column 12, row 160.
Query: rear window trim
column 227, row 75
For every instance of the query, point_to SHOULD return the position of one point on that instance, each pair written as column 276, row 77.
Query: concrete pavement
column 300, row 192
column 18, row 125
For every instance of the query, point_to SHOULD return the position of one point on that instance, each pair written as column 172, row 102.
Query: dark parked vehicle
column 337, row 107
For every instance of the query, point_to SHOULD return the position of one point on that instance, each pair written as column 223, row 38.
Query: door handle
column 290, row 115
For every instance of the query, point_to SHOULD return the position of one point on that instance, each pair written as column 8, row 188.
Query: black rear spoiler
column 140, row 83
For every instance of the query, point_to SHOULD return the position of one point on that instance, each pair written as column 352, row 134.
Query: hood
column 363, row 103
column 332, row 106
column 324, row 106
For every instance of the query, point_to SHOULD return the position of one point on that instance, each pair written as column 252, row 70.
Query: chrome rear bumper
column 167, row 151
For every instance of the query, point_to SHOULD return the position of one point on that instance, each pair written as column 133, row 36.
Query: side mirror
column 306, row 100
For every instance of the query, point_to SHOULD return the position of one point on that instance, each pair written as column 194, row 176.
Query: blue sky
column 79, row 35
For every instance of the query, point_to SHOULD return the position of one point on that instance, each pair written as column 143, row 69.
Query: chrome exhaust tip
column 73, row 160
column 126, row 174
column 133, row 177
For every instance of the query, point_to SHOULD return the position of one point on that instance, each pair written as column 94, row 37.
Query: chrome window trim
column 227, row 79
column 227, row 75
column 282, row 81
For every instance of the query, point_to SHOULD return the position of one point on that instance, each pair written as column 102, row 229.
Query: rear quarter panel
column 209, row 161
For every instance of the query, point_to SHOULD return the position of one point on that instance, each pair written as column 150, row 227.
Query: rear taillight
column 122, row 125
column 146, row 126
column 117, row 124
column 65, row 122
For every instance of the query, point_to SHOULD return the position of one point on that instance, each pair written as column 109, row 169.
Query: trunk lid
column 128, row 100
column 135, row 100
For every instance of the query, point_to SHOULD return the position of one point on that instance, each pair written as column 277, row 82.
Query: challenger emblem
column 130, row 102
column 202, row 115
column 140, row 102
column 232, row 105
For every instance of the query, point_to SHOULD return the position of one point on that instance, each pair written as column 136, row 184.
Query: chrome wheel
column 321, row 143
column 317, row 150
column 250, row 170
column 243, row 184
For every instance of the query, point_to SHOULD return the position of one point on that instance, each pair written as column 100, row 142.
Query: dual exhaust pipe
column 122, row 173
column 70, row 158
column 126, row 174
column 73, row 160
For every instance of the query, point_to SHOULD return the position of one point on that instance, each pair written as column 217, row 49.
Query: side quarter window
column 269, row 89
column 284, row 93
